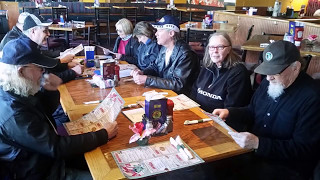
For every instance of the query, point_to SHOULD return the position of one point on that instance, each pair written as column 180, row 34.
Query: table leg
column 66, row 35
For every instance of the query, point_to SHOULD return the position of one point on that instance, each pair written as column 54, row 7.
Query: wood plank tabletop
column 209, row 140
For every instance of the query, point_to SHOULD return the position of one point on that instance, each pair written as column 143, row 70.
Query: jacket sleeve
column 66, row 75
column 179, row 75
column 37, row 135
column 238, row 88
column 60, row 66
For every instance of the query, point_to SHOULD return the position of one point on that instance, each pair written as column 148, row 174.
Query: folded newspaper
column 107, row 111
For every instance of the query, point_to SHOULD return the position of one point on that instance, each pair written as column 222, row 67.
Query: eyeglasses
column 219, row 48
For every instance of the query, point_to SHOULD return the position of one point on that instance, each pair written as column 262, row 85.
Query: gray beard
column 275, row 90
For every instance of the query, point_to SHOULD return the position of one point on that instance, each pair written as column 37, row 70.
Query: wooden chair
column 103, row 16
column 31, row 10
column 244, row 53
column 83, row 36
column 57, row 11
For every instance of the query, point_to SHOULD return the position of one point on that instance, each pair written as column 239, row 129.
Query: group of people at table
column 279, row 121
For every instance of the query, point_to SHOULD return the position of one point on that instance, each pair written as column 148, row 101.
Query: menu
column 143, row 161
column 181, row 102
column 106, row 112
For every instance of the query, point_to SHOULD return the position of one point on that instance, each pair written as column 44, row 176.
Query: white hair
column 10, row 80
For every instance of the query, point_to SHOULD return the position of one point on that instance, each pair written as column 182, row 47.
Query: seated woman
column 223, row 80
column 149, row 48
column 126, row 46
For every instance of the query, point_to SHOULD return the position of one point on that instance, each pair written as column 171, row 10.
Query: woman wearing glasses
column 223, row 80
column 126, row 46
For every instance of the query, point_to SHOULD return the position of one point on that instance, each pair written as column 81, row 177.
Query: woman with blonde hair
column 223, row 80
column 126, row 45
column 148, row 49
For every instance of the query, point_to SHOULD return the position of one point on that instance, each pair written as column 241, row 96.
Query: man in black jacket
column 176, row 66
column 29, row 145
column 281, row 123
column 62, row 69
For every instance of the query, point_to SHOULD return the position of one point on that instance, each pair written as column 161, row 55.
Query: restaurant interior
column 250, row 24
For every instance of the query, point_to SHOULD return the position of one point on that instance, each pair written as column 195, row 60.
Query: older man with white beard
column 282, row 122
column 30, row 147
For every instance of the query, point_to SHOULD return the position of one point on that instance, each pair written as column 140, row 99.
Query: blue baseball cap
column 168, row 22
column 24, row 51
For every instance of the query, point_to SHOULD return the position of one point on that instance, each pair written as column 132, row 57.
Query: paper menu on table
column 143, row 161
column 107, row 111
column 134, row 115
column 181, row 102
column 125, row 70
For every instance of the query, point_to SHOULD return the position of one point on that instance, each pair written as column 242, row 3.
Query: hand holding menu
column 73, row 51
column 106, row 112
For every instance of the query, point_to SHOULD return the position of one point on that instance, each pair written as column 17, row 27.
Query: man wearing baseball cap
column 281, row 124
column 29, row 145
column 176, row 66
column 16, row 30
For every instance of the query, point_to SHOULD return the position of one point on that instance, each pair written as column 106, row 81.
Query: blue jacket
column 147, row 53
column 222, row 87
column 288, row 127
column 181, row 72
column 29, row 145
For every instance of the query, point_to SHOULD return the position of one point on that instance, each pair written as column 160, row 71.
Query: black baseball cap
column 32, row 21
column 168, row 22
column 277, row 57
column 24, row 51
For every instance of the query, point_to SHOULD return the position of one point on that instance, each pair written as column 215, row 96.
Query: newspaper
column 107, row 111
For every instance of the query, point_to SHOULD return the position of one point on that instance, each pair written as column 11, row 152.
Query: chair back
column 56, row 12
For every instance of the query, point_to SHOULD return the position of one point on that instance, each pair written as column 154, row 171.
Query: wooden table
column 67, row 29
column 216, row 27
column 190, row 11
column 158, row 12
column 253, row 44
column 128, row 11
column 209, row 140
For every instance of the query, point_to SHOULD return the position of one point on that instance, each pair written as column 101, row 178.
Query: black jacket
column 14, row 33
column 130, row 49
column 181, row 72
column 287, row 127
column 29, row 145
column 222, row 87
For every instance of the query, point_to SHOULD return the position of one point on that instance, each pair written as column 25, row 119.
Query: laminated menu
column 143, row 161
column 107, row 111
